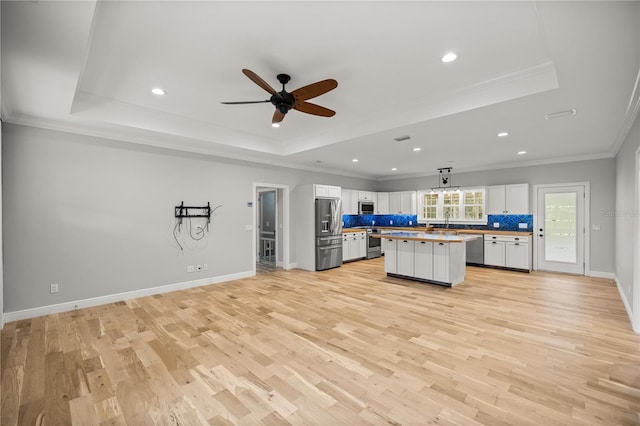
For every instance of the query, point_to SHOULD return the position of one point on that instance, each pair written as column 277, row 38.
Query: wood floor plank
column 344, row 346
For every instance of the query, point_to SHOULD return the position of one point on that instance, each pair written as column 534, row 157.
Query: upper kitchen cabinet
column 327, row 191
column 402, row 202
column 508, row 199
column 365, row 196
column 382, row 205
column 349, row 201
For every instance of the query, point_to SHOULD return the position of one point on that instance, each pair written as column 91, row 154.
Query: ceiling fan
column 284, row 101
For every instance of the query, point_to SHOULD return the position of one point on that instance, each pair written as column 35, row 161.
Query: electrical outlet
column 248, row 227
column 53, row 288
column 496, row 224
column 522, row 225
column 198, row 268
column 205, row 266
column 190, row 268
column 410, row 222
column 390, row 222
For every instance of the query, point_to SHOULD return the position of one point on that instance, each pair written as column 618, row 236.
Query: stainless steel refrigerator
column 328, row 233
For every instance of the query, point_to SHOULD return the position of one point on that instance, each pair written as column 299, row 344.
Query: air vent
column 402, row 138
column 560, row 113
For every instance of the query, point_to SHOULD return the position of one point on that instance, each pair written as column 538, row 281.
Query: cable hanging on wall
column 187, row 213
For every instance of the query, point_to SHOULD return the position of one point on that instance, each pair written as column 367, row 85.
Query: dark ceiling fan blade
column 314, row 89
column 277, row 116
column 257, row 80
column 245, row 102
column 314, row 109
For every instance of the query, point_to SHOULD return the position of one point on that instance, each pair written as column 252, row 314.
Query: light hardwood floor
column 346, row 346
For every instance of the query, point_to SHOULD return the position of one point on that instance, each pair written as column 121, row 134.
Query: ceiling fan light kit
column 284, row 101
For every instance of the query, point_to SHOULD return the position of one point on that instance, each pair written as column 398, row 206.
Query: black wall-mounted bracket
column 183, row 211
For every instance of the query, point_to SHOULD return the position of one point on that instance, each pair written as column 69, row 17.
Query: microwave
column 365, row 207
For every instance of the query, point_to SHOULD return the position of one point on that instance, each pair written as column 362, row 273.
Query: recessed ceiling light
column 416, row 149
column 503, row 134
column 449, row 57
column 355, row 160
column 522, row 152
column 394, row 169
column 158, row 91
column 275, row 124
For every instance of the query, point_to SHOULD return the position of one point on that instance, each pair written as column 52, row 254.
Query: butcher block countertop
column 488, row 231
column 431, row 228
column 389, row 228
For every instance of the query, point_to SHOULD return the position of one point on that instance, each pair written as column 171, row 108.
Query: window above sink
column 466, row 205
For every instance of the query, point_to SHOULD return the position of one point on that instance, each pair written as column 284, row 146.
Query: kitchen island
column 435, row 257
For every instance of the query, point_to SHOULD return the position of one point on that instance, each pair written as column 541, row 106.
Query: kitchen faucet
column 446, row 219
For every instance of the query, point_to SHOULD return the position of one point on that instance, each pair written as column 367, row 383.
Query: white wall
column 625, row 214
column 96, row 215
column 601, row 174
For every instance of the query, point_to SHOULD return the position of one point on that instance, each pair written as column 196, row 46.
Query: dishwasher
column 475, row 251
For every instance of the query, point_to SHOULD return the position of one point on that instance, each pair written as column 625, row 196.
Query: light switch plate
column 522, row 226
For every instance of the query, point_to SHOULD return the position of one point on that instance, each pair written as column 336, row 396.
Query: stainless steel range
column 374, row 245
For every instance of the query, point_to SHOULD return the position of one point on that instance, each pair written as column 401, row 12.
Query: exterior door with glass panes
column 560, row 231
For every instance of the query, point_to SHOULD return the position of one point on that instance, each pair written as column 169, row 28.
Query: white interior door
column 560, row 231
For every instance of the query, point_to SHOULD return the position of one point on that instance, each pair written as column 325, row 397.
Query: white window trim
column 439, row 209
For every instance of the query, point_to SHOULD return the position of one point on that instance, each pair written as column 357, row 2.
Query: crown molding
column 633, row 107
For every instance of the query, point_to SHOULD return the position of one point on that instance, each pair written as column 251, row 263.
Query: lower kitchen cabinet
column 517, row 255
column 405, row 258
column 391, row 256
column 449, row 262
column 508, row 251
column 494, row 253
column 423, row 260
column 354, row 246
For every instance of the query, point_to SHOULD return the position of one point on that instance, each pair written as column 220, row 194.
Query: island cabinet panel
column 391, row 256
column 449, row 262
column 423, row 260
column 405, row 258
column 441, row 262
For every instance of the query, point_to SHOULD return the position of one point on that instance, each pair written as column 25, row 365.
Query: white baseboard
column 118, row 297
column 627, row 306
column 600, row 274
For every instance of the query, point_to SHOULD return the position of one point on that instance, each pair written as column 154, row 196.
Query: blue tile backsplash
column 352, row 220
column 507, row 222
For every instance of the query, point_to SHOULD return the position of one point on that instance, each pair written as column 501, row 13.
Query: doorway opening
column 271, row 227
column 561, row 227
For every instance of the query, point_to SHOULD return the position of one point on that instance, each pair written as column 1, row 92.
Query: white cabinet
column 449, row 262
column 382, row 205
column 327, row 191
column 423, row 260
column 365, row 196
column 494, row 253
column 349, row 201
column 508, row 251
column 391, row 256
column 354, row 246
column 517, row 255
column 402, row 202
column 361, row 245
column 405, row 258
column 508, row 199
